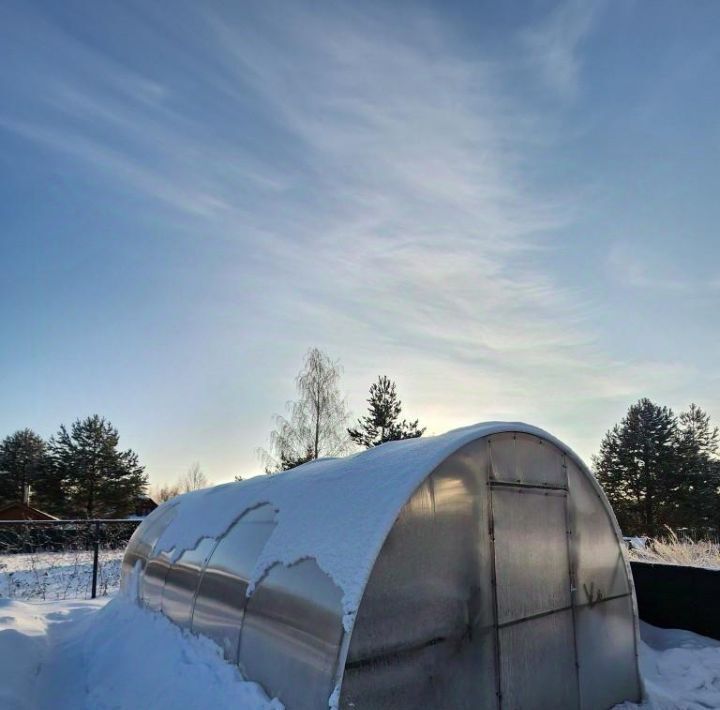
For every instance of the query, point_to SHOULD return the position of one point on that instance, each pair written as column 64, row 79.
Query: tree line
column 317, row 424
column 659, row 470
column 79, row 472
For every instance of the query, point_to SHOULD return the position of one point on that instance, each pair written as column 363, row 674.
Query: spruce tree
column 24, row 463
column 639, row 468
column 383, row 423
column 659, row 470
column 700, row 494
column 97, row 479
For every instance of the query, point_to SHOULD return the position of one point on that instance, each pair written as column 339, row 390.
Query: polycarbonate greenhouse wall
column 478, row 569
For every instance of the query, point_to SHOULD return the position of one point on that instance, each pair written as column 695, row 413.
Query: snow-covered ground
column 95, row 655
column 58, row 575
column 680, row 669
column 91, row 654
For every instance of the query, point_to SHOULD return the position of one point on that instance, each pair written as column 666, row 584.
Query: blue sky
column 511, row 209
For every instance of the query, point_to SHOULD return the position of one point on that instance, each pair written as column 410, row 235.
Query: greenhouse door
column 536, row 656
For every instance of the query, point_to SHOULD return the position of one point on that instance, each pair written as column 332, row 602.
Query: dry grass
column 679, row 551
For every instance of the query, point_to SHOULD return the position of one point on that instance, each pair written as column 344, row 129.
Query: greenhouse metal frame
column 478, row 569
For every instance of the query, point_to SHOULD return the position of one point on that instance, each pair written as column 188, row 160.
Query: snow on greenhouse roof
column 336, row 511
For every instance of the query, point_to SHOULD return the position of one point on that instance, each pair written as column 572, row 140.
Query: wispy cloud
column 428, row 237
column 379, row 177
column 554, row 44
column 641, row 267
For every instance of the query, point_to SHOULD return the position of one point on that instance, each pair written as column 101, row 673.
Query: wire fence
column 62, row 559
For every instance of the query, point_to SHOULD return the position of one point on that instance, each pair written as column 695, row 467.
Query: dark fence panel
column 61, row 559
column 58, row 535
column 677, row 597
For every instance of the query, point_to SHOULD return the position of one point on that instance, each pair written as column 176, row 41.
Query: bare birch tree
column 194, row 479
column 165, row 492
column 317, row 421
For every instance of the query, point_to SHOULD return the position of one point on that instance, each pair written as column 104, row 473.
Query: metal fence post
column 96, row 551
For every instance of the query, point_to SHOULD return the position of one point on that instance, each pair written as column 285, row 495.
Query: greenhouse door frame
column 534, row 626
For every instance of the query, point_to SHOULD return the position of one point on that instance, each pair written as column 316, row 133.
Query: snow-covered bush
column 672, row 549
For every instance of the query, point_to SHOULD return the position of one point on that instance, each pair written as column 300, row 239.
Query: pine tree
column 24, row 464
column 639, row 468
column 383, row 421
column 698, row 447
column 97, row 479
column 290, row 459
column 316, row 425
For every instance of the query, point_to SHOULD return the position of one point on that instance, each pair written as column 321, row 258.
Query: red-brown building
column 23, row 511
column 144, row 505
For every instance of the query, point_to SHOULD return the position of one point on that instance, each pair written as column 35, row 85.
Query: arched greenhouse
column 478, row 569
